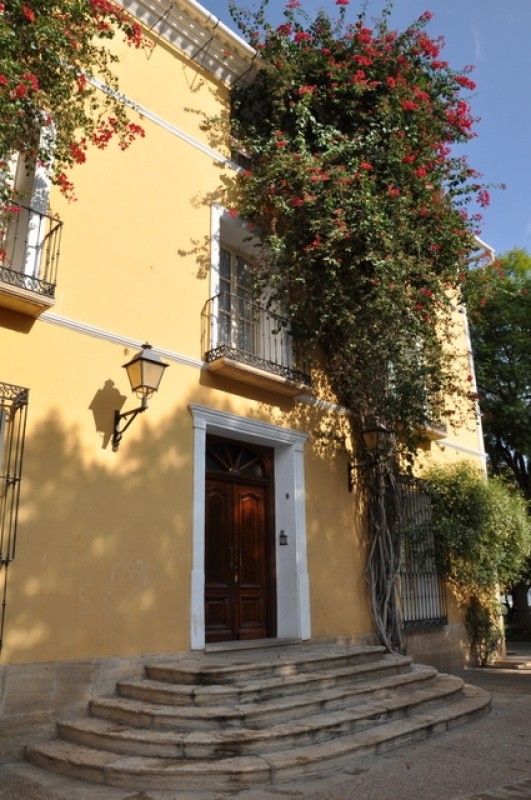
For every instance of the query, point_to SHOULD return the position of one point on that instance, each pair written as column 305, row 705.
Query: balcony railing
column 29, row 249
column 433, row 425
column 245, row 340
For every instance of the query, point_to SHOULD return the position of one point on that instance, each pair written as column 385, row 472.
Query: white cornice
column 116, row 338
column 146, row 113
column 198, row 34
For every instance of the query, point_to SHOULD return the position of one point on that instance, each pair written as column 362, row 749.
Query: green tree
column 482, row 536
column 500, row 315
column 501, row 337
column 51, row 54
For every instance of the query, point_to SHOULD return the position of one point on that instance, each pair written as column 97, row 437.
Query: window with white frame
column 239, row 326
column 29, row 235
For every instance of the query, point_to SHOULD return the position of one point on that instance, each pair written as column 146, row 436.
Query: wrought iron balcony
column 29, row 256
column 433, row 426
column 252, row 344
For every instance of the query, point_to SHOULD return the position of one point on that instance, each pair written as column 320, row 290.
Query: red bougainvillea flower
column 28, row 13
column 31, row 80
column 483, row 198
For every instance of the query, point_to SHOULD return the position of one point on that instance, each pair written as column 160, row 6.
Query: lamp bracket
column 129, row 416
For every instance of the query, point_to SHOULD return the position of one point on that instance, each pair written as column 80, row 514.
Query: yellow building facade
column 119, row 552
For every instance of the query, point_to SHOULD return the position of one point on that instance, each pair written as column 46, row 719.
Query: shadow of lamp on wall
column 102, row 406
column 145, row 371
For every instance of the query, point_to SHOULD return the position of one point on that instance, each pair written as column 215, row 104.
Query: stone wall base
column 33, row 697
column 443, row 648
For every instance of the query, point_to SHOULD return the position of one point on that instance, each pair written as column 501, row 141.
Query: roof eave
column 198, row 34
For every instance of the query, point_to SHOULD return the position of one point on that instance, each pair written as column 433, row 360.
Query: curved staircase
column 243, row 718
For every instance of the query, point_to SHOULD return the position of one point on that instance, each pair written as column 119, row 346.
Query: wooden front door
column 239, row 547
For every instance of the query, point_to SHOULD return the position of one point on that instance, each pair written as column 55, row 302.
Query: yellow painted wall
column 105, row 539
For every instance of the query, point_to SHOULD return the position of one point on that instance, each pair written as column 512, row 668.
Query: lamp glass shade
column 145, row 371
column 376, row 439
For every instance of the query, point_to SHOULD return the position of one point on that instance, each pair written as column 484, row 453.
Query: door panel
column 218, row 553
column 238, row 558
column 250, row 538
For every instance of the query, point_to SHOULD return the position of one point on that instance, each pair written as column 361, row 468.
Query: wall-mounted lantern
column 377, row 444
column 145, row 371
column 377, row 440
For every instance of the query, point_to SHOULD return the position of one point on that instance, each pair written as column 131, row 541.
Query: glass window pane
column 224, row 265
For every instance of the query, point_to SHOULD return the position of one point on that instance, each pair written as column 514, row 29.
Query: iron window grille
column 13, row 410
column 422, row 590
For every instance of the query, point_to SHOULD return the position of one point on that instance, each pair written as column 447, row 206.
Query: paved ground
column 488, row 759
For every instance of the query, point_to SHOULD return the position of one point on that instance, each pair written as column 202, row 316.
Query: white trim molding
column 198, row 34
column 145, row 113
column 442, row 443
column 293, row 587
column 116, row 338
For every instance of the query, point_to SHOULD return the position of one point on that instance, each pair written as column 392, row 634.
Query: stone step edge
column 352, row 696
column 260, row 644
column 168, row 675
column 118, row 737
column 331, row 755
column 232, row 703
column 510, row 663
column 245, row 772
column 198, row 671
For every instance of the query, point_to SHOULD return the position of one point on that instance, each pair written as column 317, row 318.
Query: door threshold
column 248, row 644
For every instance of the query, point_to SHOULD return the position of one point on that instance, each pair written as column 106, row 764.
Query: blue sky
column 494, row 36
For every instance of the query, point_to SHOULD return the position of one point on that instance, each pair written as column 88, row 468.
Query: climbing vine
column 365, row 212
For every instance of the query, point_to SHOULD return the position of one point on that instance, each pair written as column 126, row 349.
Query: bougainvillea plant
column 365, row 212
column 361, row 204
column 50, row 110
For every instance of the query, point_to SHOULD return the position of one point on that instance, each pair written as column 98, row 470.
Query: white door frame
column 293, row 590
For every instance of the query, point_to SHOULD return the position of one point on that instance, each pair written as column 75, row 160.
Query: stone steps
column 251, row 721
column 119, row 738
column 162, row 713
column 163, row 682
column 283, row 664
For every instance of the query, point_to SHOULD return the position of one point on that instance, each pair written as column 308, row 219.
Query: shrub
column 482, row 536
